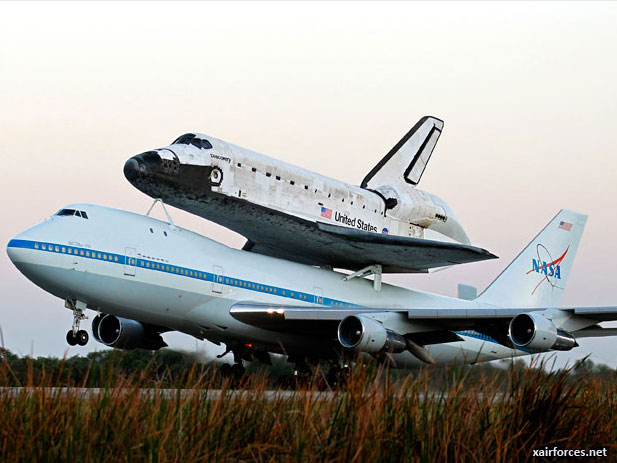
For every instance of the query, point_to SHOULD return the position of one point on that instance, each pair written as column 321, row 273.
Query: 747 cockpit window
column 66, row 212
column 191, row 139
column 77, row 213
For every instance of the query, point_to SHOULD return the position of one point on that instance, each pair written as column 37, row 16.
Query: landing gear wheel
column 82, row 337
column 70, row 338
column 76, row 336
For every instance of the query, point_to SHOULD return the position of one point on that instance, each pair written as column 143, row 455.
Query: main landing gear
column 75, row 336
column 236, row 370
column 308, row 373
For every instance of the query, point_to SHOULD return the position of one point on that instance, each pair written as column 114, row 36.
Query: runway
column 169, row 394
column 271, row 395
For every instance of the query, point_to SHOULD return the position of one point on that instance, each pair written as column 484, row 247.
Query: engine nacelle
column 123, row 333
column 534, row 331
column 366, row 334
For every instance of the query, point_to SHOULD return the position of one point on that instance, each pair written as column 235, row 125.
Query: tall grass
column 375, row 417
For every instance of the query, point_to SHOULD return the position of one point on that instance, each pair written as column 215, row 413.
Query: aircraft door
column 130, row 261
column 217, row 283
column 318, row 292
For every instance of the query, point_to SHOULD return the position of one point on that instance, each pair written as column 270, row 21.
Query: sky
column 527, row 92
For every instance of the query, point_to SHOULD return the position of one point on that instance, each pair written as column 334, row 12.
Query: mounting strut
column 366, row 271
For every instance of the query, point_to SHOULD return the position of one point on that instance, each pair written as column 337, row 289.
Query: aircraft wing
column 321, row 244
column 434, row 325
column 459, row 317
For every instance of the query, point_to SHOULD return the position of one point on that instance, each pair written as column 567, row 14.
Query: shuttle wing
column 321, row 244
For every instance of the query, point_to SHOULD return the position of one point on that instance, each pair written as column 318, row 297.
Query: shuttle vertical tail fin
column 537, row 276
column 409, row 157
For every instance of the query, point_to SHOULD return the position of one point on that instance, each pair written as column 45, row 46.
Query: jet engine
column 123, row 333
column 366, row 334
column 535, row 331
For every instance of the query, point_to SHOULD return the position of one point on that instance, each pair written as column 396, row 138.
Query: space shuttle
column 285, row 211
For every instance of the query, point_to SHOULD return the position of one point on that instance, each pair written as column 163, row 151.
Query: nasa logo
column 545, row 265
column 384, row 231
column 549, row 269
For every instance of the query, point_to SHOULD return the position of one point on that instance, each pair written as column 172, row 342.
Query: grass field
column 470, row 415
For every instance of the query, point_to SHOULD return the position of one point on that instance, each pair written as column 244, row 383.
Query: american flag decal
column 567, row 226
column 327, row 213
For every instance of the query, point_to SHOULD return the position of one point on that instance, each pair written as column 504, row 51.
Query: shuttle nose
column 143, row 165
column 131, row 169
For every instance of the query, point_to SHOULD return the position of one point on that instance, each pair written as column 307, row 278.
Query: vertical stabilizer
column 409, row 157
column 537, row 276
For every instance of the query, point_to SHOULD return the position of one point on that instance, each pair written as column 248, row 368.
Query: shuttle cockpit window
column 191, row 139
column 184, row 139
column 201, row 143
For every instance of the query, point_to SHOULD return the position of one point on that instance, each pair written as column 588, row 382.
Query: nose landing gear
column 75, row 336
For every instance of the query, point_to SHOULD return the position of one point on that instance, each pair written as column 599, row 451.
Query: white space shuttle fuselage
column 275, row 204
column 237, row 172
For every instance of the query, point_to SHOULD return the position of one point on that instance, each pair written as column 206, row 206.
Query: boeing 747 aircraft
column 384, row 224
column 144, row 277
